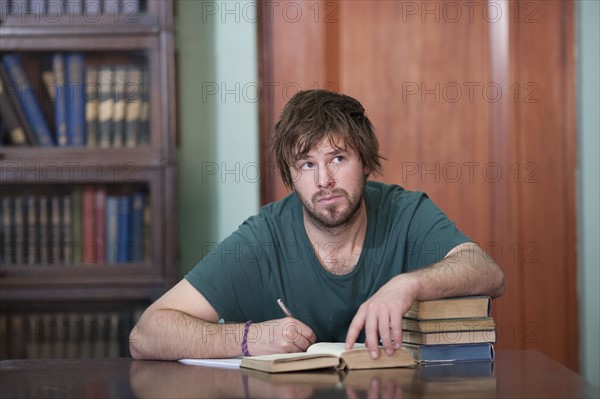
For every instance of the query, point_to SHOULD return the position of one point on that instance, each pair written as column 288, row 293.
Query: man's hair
column 312, row 115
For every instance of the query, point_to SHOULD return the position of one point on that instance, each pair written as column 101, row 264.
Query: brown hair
column 310, row 116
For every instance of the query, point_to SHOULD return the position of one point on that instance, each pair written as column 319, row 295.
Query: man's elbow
column 135, row 348
column 499, row 286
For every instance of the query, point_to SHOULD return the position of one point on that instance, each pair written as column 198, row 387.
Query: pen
column 284, row 308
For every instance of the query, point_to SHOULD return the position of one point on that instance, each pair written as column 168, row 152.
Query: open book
column 327, row 354
column 319, row 355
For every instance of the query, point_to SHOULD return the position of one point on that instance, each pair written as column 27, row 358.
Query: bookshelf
column 88, row 226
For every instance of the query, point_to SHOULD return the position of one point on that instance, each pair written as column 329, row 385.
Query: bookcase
column 87, row 173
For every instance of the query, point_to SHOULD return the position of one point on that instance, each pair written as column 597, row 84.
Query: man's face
column 329, row 180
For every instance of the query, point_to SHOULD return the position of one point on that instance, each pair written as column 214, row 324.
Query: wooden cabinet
column 74, row 275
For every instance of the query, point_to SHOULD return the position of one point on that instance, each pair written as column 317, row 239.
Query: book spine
column 147, row 234
column 45, row 246
column 119, row 111
column 106, row 107
column 92, row 98
column 60, row 102
column 74, row 65
column 10, row 122
column 133, row 105
column 8, row 244
column 144, row 124
column 76, row 220
column 32, row 236
column 47, row 95
column 112, row 228
column 19, row 227
column 89, row 248
column 137, row 227
column 55, row 248
column 100, row 217
column 123, row 242
column 66, row 226
column 28, row 100
column 10, row 94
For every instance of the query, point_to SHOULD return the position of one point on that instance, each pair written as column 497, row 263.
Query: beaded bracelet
column 245, row 338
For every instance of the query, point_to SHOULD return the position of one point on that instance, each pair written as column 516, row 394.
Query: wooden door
column 473, row 103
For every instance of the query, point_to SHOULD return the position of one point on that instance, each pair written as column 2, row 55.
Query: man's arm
column 183, row 324
column 466, row 270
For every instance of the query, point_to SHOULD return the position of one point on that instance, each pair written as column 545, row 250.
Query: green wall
column 588, row 89
column 218, row 124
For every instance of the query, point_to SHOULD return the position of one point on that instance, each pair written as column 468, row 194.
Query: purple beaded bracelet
column 245, row 338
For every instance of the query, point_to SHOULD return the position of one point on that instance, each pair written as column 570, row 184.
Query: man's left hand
column 381, row 315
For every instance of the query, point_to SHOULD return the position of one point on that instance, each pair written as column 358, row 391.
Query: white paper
column 229, row 363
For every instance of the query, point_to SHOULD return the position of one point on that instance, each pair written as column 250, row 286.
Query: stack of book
column 450, row 330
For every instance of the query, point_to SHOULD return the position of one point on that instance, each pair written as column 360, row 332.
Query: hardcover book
column 445, row 325
column 16, row 82
column 74, row 67
column 483, row 352
column 449, row 337
column 451, row 308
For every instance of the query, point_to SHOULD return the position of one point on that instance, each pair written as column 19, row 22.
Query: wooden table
column 514, row 374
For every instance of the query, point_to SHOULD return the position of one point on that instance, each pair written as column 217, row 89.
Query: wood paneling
column 473, row 104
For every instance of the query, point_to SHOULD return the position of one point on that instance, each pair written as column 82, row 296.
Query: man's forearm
column 467, row 270
column 171, row 335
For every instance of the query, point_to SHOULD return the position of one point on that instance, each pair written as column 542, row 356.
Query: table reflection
column 155, row 379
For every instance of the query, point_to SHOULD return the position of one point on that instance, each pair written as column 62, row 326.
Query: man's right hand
column 285, row 335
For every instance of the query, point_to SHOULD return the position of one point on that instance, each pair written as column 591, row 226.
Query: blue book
column 137, row 227
column 75, row 98
column 123, row 241
column 483, row 352
column 28, row 100
column 60, row 101
column 112, row 229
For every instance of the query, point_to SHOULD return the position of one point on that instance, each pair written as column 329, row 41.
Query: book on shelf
column 118, row 116
column 136, row 230
column 449, row 337
column 133, row 103
column 29, row 102
column 18, row 130
column 123, row 233
column 66, row 226
column 75, row 222
column 106, row 105
column 74, row 82
column 60, row 102
column 32, row 238
column 112, row 228
column 481, row 352
column 8, row 244
column 100, row 222
column 88, row 230
column 92, row 100
column 451, row 308
column 318, row 356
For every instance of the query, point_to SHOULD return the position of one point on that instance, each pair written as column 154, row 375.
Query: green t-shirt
column 270, row 257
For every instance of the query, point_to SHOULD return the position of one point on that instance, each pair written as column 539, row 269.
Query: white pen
column 284, row 308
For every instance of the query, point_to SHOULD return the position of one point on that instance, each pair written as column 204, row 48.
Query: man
column 348, row 257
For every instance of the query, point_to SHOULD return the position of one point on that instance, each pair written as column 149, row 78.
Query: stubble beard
column 331, row 217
